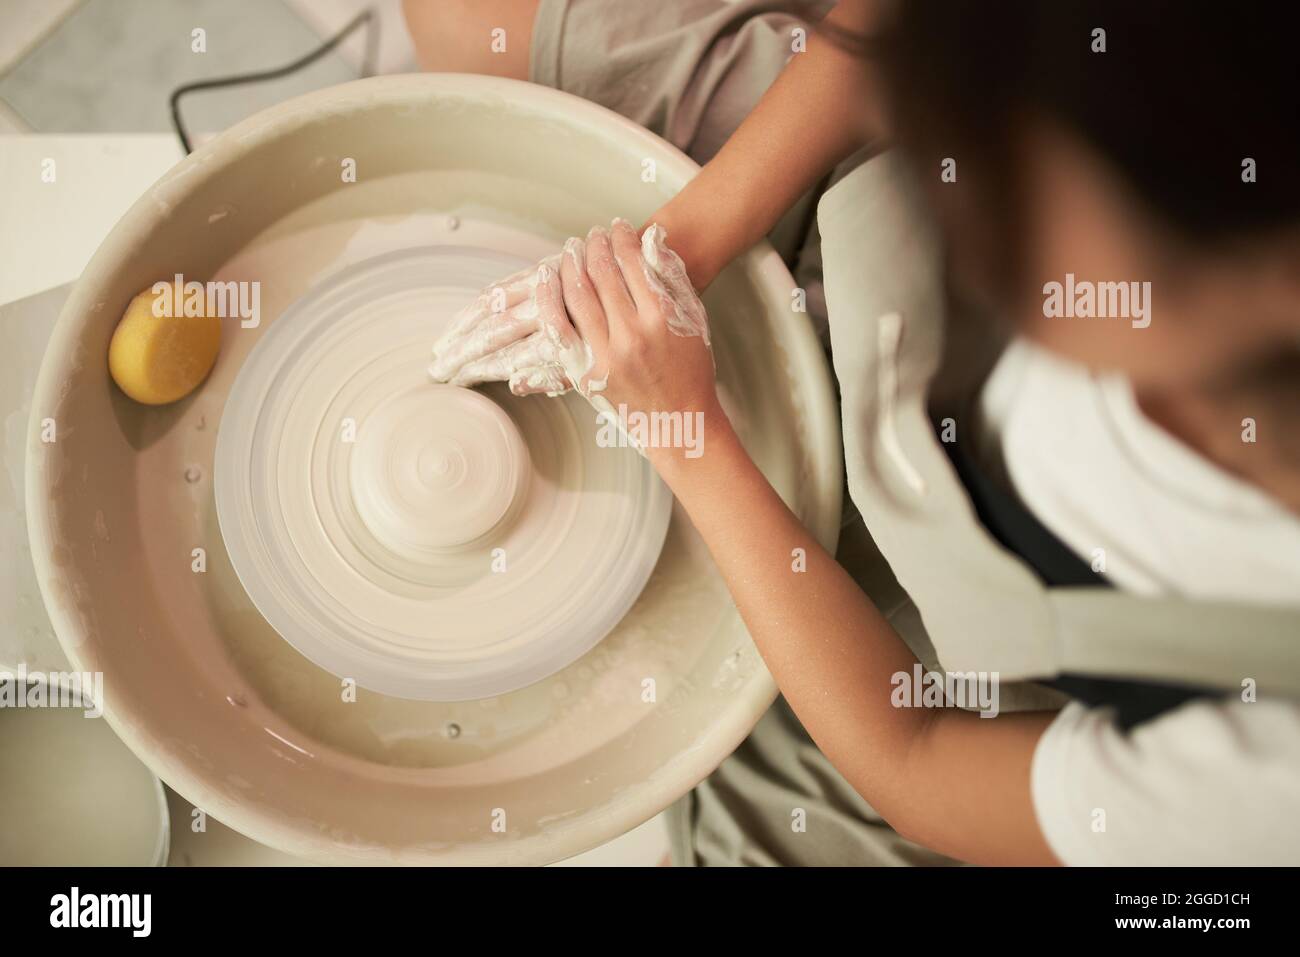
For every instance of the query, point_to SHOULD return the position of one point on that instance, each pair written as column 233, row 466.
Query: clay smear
column 517, row 331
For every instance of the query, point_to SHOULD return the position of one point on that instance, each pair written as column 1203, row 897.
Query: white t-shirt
column 1209, row 782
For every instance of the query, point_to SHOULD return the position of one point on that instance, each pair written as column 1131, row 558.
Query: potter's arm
column 947, row 778
column 812, row 117
column 943, row 777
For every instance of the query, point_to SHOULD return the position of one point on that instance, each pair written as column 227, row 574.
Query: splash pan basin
column 537, row 758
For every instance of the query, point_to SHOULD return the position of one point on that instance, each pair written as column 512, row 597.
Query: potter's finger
column 461, row 324
column 580, row 299
column 484, row 339
column 488, row 351
column 627, row 253
column 518, row 289
column 494, row 300
column 683, row 310
column 497, row 299
column 540, row 380
column 465, row 323
column 514, row 289
column 531, row 351
column 568, row 349
column 607, row 278
column 668, row 266
column 552, row 316
column 549, row 297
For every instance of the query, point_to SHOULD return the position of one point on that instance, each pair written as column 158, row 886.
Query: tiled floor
column 97, row 66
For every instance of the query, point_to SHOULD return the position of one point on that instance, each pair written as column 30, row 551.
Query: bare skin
column 455, row 36
column 1223, row 345
column 828, row 647
column 780, row 151
column 943, row 777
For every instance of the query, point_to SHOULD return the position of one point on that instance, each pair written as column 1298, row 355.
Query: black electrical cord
column 367, row 69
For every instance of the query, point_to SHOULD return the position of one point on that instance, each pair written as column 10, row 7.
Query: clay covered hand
column 631, row 301
column 514, row 331
column 546, row 329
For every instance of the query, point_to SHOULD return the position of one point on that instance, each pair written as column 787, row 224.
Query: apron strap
column 1019, row 531
column 1016, row 528
column 995, row 591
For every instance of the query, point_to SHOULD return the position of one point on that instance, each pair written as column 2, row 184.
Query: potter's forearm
column 811, row 118
column 945, row 777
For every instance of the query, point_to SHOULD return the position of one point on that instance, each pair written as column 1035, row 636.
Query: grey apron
column 984, row 607
column 967, row 583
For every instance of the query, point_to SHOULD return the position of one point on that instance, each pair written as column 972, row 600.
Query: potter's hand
column 515, row 331
column 519, row 330
column 632, row 303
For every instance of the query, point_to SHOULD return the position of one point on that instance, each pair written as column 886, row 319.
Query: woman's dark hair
column 1184, row 93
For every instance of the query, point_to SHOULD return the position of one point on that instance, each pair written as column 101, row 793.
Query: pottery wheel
column 425, row 540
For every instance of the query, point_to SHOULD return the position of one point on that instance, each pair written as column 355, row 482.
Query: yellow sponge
column 159, row 359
